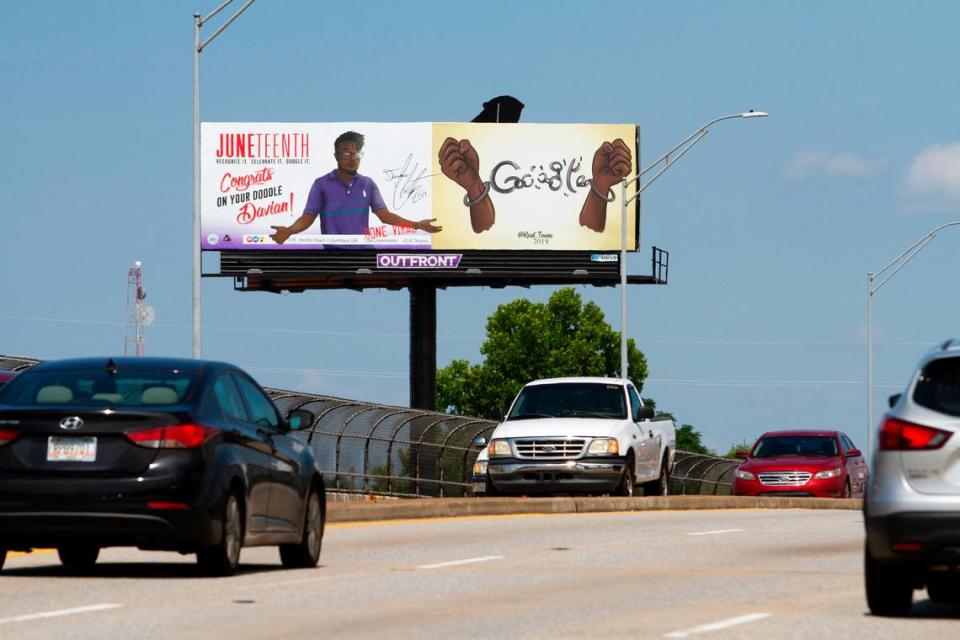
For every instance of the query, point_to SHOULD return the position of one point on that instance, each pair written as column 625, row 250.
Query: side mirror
column 299, row 419
column 894, row 399
column 853, row 453
column 740, row 454
column 479, row 442
column 495, row 413
column 644, row 413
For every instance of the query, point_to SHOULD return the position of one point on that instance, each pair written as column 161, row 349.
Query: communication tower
column 139, row 315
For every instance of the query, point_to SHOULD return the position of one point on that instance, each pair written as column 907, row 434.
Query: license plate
column 61, row 449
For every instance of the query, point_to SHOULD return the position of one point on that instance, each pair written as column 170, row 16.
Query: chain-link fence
column 370, row 448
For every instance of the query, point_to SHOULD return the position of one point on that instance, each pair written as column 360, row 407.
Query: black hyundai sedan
column 156, row 453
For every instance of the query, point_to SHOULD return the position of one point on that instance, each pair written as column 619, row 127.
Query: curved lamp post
column 198, row 47
column 667, row 159
column 896, row 264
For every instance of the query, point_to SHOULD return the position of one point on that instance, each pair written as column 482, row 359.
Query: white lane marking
column 454, row 563
column 716, row 626
column 61, row 612
column 713, row 533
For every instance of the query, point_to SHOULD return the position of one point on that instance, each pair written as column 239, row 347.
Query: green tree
column 526, row 341
column 689, row 439
column 743, row 446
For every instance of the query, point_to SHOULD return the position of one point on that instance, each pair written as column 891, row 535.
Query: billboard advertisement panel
column 415, row 187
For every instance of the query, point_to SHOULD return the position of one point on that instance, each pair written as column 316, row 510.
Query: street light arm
column 214, row 12
column 904, row 259
column 685, row 145
column 225, row 24
column 911, row 251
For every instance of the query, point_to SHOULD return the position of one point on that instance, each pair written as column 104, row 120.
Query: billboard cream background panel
column 536, row 216
column 396, row 156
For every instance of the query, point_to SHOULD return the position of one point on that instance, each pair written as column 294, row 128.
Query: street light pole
column 667, row 161
column 198, row 47
column 899, row 262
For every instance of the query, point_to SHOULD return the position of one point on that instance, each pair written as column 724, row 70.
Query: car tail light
column 167, row 506
column 898, row 435
column 6, row 435
column 179, row 436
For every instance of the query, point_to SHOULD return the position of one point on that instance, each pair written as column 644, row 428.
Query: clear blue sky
column 771, row 224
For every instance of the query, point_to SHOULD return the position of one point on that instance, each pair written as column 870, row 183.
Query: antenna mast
column 139, row 315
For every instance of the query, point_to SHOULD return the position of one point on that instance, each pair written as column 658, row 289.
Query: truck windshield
column 570, row 400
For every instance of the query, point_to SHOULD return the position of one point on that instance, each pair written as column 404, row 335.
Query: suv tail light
column 898, row 435
column 6, row 435
column 180, row 436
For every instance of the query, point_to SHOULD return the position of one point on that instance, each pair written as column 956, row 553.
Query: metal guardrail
column 370, row 448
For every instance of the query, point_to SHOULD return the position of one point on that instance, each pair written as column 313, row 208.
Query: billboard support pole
column 198, row 47
column 423, row 345
column 667, row 161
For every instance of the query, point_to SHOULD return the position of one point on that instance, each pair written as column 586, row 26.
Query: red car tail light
column 899, row 435
column 6, row 435
column 180, row 436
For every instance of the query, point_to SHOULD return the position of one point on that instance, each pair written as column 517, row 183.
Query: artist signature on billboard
column 407, row 182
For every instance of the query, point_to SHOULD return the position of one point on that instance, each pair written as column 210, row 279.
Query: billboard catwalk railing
column 370, row 448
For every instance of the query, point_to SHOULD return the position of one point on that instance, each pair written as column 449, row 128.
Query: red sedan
column 823, row 464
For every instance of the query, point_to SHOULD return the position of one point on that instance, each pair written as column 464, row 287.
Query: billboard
column 415, row 187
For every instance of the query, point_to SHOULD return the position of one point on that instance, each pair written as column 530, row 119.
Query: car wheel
column 847, row 492
column 223, row 559
column 491, row 491
column 660, row 486
column 3, row 556
column 78, row 556
column 306, row 553
column 889, row 587
column 941, row 588
column 625, row 488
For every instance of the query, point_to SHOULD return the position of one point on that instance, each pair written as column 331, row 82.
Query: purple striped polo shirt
column 344, row 209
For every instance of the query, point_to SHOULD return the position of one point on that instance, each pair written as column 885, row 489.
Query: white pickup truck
column 577, row 435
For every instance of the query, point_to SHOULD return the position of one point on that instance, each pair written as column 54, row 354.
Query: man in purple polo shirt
column 343, row 199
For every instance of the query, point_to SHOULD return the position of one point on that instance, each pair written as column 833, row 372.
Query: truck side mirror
column 495, row 413
column 740, row 454
column 894, row 399
column 644, row 413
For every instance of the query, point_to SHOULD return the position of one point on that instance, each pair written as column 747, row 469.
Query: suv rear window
column 97, row 388
column 939, row 386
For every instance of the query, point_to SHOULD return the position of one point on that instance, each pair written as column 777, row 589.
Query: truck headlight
column 744, row 475
column 604, row 447
column 499, row 448
column 480, row 468
column 829, row 473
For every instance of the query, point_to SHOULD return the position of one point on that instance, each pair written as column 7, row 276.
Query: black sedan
column 156, row 453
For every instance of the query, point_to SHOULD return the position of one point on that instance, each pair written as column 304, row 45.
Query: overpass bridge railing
column 369, row 448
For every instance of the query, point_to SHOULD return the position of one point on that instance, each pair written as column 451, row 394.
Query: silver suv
column 912, row 505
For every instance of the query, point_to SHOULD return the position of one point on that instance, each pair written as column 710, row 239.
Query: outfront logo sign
column 418, row 260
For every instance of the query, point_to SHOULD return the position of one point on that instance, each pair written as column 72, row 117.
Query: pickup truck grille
column 785, row 478
column 530, row 448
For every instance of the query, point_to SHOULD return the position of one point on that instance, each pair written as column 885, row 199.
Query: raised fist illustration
column 611, row 163
column 459, row 162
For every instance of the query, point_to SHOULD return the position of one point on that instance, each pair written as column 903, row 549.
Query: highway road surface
column 776, row 574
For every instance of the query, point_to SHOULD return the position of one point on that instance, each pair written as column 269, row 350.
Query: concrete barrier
column 459, row 507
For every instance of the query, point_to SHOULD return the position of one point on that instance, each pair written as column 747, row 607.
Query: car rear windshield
column 795, row 446
column 97, row 388
column 570, row 400
column 939, row 386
